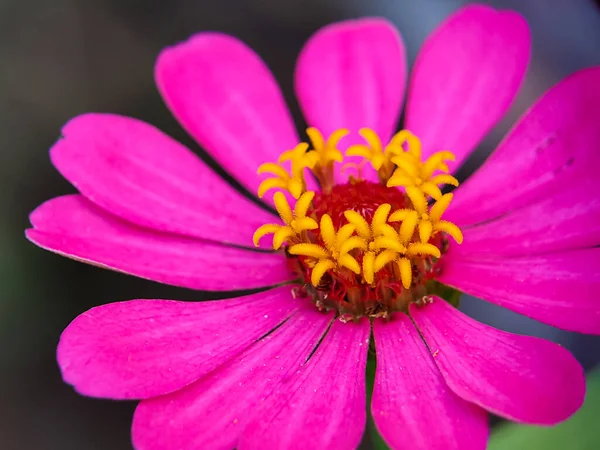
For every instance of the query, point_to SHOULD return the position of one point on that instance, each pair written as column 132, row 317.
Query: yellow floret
column 411, row 172
column 335, row 251
column 428, row 222
column 295, row 222
column 291, row 181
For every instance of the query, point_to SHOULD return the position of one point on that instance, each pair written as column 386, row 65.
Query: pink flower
column 269, row 370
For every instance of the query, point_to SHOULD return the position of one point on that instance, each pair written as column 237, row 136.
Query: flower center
column 362, row 248
column 363, row 197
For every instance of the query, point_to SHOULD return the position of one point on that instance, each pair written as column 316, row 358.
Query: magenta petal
column 568, row 220
column 411, row 401
column 138, row 173
column 144, row 348
column 351, row 75
column 559, row 289
column 522, row 378
column 74, row 227
column 466, row 77
column 227, row 99
column 554, row 145
column 323, row 404
column 212, row 412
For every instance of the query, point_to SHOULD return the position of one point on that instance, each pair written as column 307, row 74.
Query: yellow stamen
column 369, row 267
column 429, row 221
column 412, row 172
column 320, row 269
column 400, row 248
column 336, row 251
column 385, row 257
column 362, row 226
column 292, row 181
column 433, row 162
column 414, row 143
column 377, row 235
column 294, row 184
column 324, row 154
column 374, row 152
column 405, row 272
column 444, row 179
column 299, row 158
column 311, row 250
column 296, row 222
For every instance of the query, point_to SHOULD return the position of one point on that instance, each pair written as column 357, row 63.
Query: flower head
column 350, row 256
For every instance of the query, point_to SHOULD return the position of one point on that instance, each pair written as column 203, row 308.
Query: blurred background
column 61, row 58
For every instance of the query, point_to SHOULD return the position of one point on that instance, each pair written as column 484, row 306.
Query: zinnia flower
column 366, row 249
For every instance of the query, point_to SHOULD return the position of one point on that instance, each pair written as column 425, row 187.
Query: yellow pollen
column 374, row 152
column 324, row 153
column 335, row 253
column 429, row 220
column 296, row 222
column 411, row 171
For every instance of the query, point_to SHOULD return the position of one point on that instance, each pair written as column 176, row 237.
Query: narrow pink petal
column 74, row 227
column 411, row 401
column 144, row 348
column 227, row 99
column 351, row 75
column 138, row 173
column 561, row 289
column 565, row 221
column 212, row 412
column 554, row 145
column 522, row 378
column 323, row 404
column 466, row 77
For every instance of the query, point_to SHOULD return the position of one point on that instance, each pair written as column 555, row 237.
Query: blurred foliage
column 580, row 432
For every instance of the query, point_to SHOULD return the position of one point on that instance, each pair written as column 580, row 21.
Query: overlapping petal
column 322, row 405
column 227, row 99
column 73, row 226
column 552, row 147
column 213, row 411
column 138, row 173
column 565, row 221
column 144, row 348
column 412, row 406
column 522, row 378
column 465, row 78
column 352, row 75
column 558, row 289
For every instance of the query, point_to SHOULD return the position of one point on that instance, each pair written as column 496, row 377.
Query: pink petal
column 323, row 405
column 553, row 146
column 145, row 348
column 558, row 289
column 567, row 220
column 522, row 378
column 351, row 75
column 411, row 401
column 466, row 77
column 227, row 99
column 74, row 227
column 212, row 412
column 140, row 174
